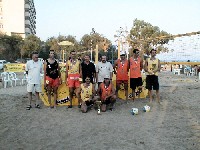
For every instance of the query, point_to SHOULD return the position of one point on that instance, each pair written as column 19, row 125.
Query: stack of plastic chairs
column 14, row 78
column 6, row 79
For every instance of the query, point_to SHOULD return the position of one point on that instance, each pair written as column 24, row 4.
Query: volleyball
column 146, row 108
column 134, row 111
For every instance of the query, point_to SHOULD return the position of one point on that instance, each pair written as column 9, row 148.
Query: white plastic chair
column 6, row 79
column 24, row 78
column 14, row 78
column 192, row 72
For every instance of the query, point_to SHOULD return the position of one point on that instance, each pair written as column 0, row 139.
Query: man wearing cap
column 136, row 66
column 106, row 92
column 121, row 68
column 73, row 73
column 103, row 69
column 152, row 67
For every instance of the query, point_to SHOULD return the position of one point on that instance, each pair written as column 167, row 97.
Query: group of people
column 93, row 84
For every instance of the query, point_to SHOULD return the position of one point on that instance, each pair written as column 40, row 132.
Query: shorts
column 73, row 80
column 32, row 87
column 152, row 81
column 119, row 82
column 52, row 82
column 88, row 103
column 107, row 101
column 135, row 82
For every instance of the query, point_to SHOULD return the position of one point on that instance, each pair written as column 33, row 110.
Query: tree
column 10, row 47
column 30, row 44
column 145, row 36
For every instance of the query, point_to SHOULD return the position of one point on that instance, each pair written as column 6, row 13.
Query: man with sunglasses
column 136, row 66
column 33, row 70
column 86, row 94
column 152, row 67
column 106, row 92
column 52, row 77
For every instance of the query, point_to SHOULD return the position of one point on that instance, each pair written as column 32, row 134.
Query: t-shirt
column 103, row 69
column 88, row 70
column 52, row 69
column 34, row 69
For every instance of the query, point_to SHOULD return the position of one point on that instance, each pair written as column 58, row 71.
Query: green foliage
column 145, row 36
column 30, row 44
column 10, row 47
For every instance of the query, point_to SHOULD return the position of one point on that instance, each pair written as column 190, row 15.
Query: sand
column 173, row 125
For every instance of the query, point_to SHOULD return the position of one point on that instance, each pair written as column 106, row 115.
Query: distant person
column 103, row 69
column 52, row 77
column 33, row 69
column 86, row 93
column 106, row 92
column 136, row 66
column 152, row 67
column 121, row 68
column 73, row 73
column 88, row 69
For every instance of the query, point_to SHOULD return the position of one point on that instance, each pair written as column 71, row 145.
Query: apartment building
column 17, row 17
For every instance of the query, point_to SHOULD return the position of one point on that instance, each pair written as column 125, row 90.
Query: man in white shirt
column 103, row 69
column 33, row 70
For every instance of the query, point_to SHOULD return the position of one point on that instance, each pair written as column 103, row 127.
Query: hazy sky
column 78, row 17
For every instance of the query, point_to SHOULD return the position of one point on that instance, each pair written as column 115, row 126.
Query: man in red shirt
column 121, row 68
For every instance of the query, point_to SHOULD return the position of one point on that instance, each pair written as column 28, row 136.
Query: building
column 17, row 17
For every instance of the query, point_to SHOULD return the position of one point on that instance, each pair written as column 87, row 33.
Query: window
column 1, row 25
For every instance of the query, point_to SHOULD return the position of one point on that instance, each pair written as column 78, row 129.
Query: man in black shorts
column 152, row 67
column 136, row 65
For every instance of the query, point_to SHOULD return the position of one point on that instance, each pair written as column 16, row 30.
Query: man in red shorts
column 52, row 77
column 121, row 68
column 73, row 73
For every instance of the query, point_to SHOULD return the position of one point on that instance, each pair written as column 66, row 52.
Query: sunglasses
column 87, row 79
column 106, row 78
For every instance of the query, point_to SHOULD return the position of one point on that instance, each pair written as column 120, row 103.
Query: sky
column 78, row 17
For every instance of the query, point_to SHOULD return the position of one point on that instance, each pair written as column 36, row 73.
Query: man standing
column 88, row 69
column 152, row 67
column 103, row 69
column 52, row 77
column 73, row 73
column 106, row 92
column 86, row 94
column 121, row 68
column 33, row 70
column 136, row 66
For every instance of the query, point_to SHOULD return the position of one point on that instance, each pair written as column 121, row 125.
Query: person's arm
column 94, row 72
column 111, row 71
column 26, row 68
column 99, row 90
column 97, row 71
column 159, row 67
column 146, row 66
column 115, row 67
column 45, row 67
column 66, row 76
column 141, row 64
column 93, row 91
column 80, row 70
column 112, row 93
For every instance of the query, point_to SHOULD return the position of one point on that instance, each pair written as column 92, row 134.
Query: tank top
column 105, row 91
column 152, row 65
column 73, row 66
column 86, row 92
column 135, row 70
column 122, row 71
column 52, row 69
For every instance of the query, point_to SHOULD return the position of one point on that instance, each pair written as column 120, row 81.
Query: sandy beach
column 173, row 125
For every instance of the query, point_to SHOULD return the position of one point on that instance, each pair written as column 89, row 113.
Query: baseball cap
column 122, row 53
